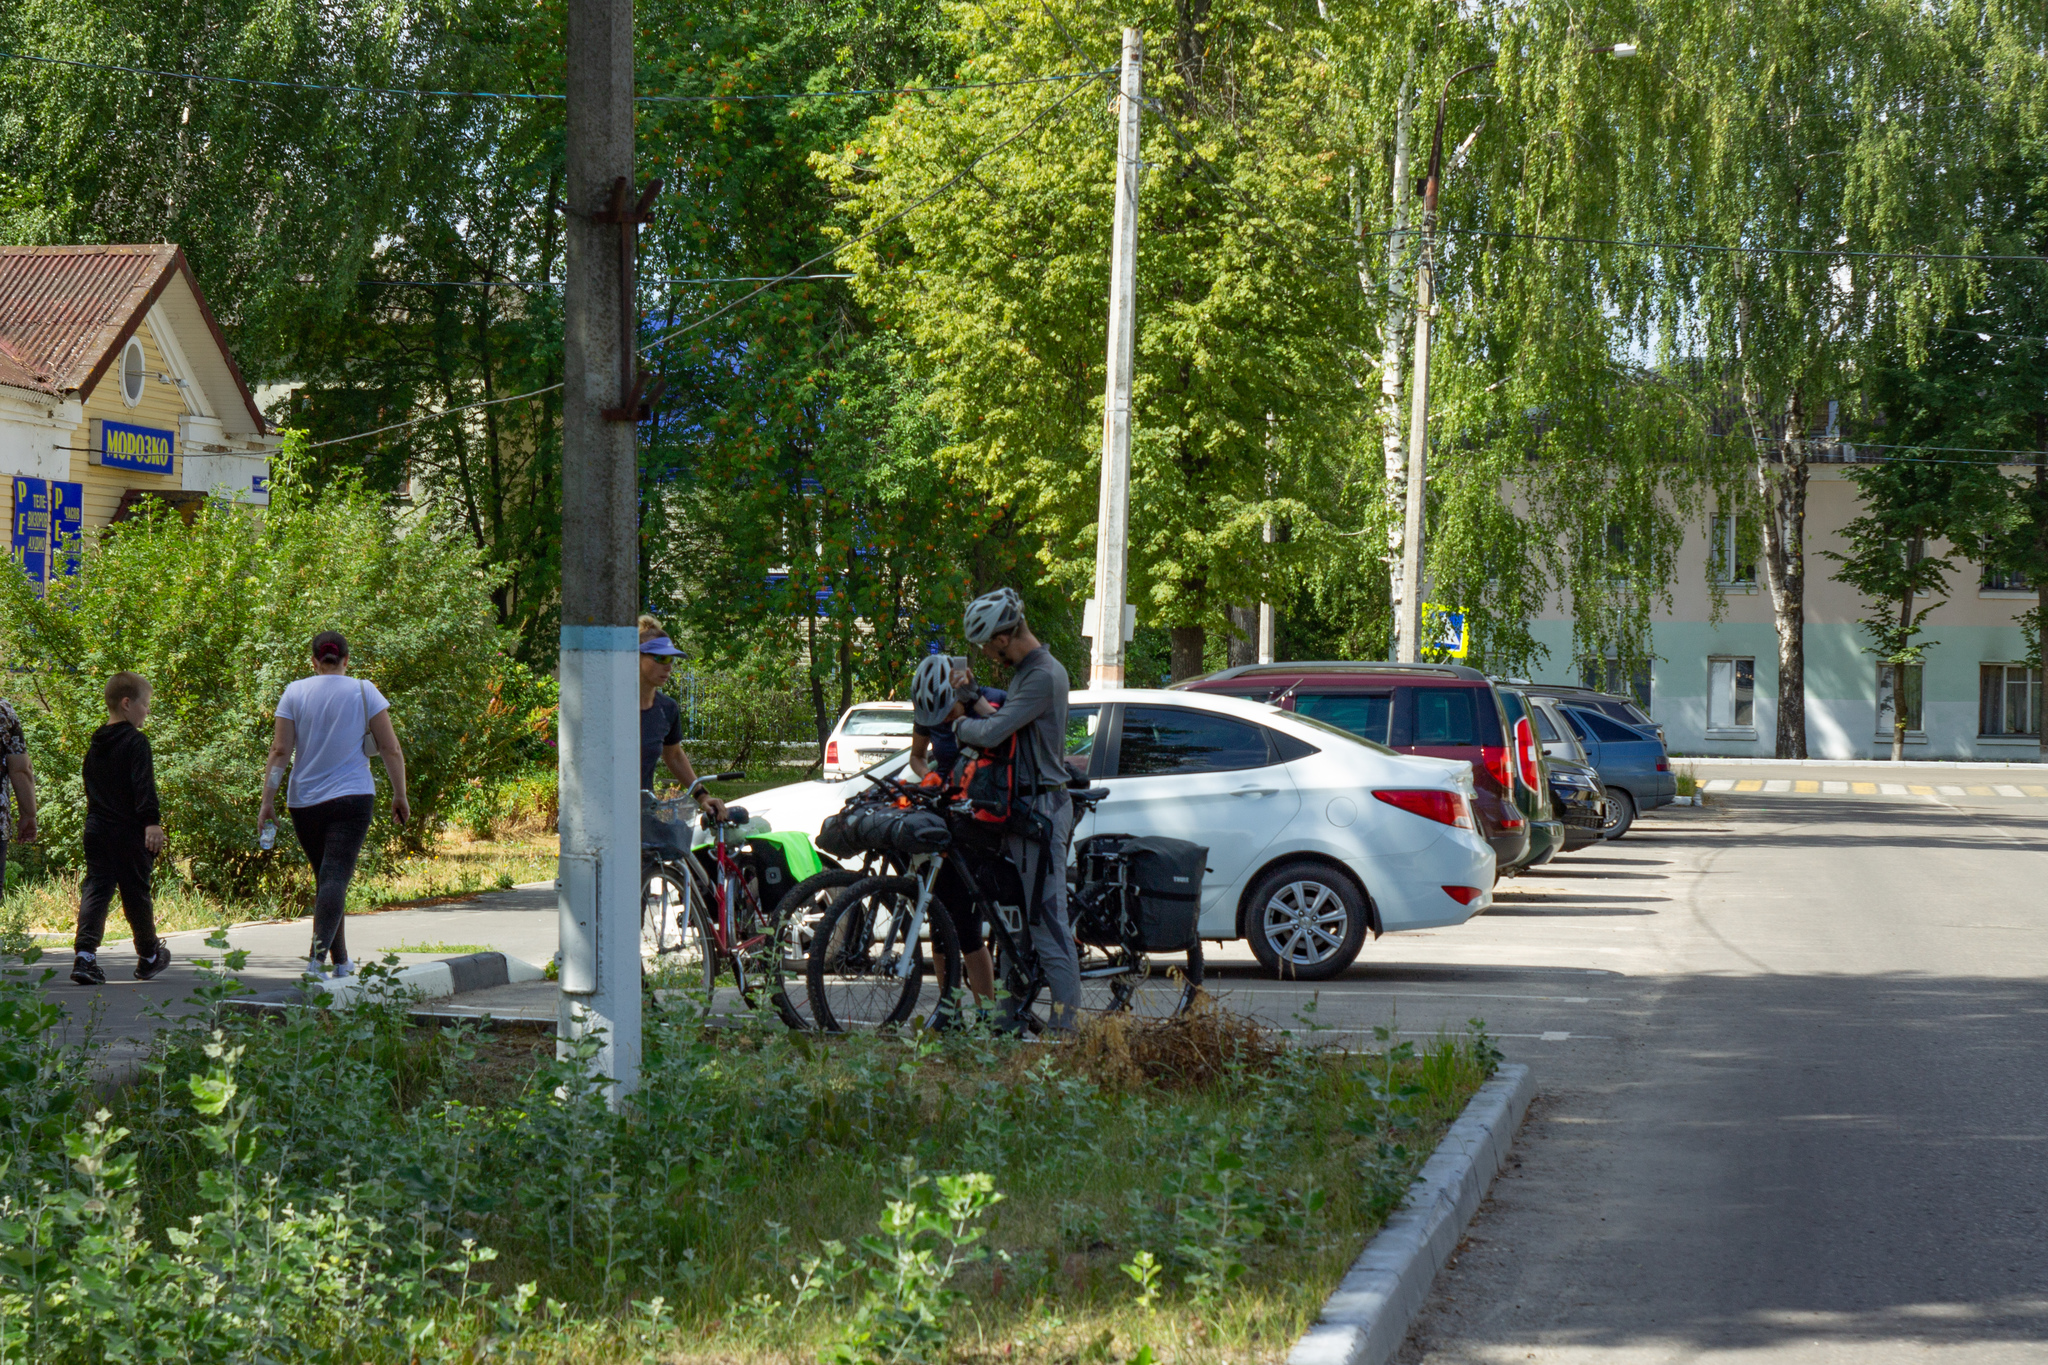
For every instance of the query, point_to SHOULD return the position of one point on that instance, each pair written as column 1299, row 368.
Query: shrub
column 756, row 715
column 217, row 616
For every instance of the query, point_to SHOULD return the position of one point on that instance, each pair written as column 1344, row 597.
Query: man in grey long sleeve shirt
column 1036, row 713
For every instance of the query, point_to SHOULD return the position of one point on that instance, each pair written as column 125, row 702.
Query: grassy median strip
column 346, row 1186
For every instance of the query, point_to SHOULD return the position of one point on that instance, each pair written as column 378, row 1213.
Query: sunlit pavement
column 1792, row 1099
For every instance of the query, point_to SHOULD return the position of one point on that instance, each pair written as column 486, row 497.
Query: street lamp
column 1408, row 626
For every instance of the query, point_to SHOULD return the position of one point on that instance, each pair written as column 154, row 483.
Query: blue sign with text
column 67, row 523
column 30, row 525
column 146, row 450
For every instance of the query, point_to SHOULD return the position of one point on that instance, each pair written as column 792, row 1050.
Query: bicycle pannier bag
column 1168, row 873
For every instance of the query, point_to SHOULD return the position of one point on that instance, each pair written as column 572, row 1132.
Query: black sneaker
column 153, row 965
column 86, row 972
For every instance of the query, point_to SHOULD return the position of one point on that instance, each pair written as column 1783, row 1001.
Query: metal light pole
column 599, row 880
column 1113, row 517
column 1408, row 624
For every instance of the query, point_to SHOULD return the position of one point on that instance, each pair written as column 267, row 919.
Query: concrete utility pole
column 1113, row 519
column 599, row 895
column 1266, row 622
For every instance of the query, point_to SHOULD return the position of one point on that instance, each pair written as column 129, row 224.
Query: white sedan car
column 1315, row 836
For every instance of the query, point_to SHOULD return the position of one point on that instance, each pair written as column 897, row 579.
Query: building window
column 2006, row 580
column 1605, row 675
column 2008, row 700
column 1731, row 694
column 1884, row 698
column 1734, row 549
column 132, row 376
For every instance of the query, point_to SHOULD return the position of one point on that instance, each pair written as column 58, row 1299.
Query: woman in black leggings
column 327, row 727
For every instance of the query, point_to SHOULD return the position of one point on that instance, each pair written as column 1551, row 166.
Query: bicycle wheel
column 1144, row 985
column 672, row 920
column 664, row 907
column 796, row 924
column 865, row 969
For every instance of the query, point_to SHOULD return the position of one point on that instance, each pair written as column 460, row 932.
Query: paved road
column 1802, row 1111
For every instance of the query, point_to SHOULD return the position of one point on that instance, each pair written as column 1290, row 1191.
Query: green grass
column 448, row 948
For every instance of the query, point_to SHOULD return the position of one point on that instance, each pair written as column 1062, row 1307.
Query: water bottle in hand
column 268, row 838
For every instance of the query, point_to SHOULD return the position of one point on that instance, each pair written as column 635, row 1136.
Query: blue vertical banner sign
column 67, row 524
column 30, row 524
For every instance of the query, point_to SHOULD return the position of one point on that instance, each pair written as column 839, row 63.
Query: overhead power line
column 527, row 95
column 1832, row 253
column 556, row 284
column 1036, row 121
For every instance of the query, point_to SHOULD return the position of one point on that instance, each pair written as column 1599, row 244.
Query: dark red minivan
column 1439, row 710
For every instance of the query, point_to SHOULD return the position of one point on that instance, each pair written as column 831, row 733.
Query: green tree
column 217, row 616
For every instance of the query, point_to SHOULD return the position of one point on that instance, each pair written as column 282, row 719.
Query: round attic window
column 131, row 372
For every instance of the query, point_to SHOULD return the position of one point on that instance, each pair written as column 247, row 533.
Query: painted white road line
column 1835, row 788
column 2008, row 791
column 1949, row 791
column 1778, row 785
column 1891, row 789
column 1721, row 784
column 1377, row 991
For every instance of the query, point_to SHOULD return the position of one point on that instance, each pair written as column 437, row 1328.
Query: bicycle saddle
column 1091, row 795
column 736, row 815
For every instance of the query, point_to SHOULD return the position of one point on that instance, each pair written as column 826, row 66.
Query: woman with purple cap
column 661, row 716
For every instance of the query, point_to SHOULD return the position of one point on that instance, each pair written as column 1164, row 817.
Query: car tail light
column 1525, row 754
column 1662, row 766
column 1494, row 757
column 1446, row 808
column 832, row 753
column 1463, row 895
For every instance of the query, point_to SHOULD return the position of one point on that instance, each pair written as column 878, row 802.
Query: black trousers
column 332, row 835
column 116, row 860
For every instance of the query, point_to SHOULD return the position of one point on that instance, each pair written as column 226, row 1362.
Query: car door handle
column 1256, row 791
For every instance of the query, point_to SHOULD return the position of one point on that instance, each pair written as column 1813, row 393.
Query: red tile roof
column 65, row 309
column 66, row 312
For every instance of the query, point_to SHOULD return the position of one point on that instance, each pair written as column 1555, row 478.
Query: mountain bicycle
column 864, row 970
column 707, row 921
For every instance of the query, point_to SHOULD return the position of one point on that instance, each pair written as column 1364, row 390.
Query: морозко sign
column 146, row 450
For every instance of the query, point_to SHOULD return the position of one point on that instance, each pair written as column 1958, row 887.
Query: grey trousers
column 1051, row 936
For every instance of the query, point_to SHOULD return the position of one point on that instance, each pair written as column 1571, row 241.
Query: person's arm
column 920, row 745
column 23, row 776
column 394, row 762
column 1030, row 697
column 282, row 737
column 142, row 779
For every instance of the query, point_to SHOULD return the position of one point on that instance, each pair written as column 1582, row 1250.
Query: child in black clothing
column 123, row 834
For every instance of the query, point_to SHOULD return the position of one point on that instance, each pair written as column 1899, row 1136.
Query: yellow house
column 116, row 387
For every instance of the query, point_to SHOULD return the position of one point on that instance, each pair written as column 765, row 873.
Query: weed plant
column 342, row 1186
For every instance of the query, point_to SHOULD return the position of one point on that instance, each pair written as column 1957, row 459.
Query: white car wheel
column 1306, row 922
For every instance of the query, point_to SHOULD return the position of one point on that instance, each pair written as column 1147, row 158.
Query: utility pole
column 599, row 879
column 1113, row 517
column 1267, row 625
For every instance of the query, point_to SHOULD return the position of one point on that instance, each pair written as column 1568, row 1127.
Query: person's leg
column 95, row 892
column 134, row 865
column 976, row 963
column 1051, row 936
column 347, row 827
column 309, row 825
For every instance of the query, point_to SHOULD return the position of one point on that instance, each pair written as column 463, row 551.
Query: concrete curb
column 421, row 981
column 1367, row 1318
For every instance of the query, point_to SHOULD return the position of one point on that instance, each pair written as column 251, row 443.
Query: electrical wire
column 1828, row 252
column 670, row 335
column 519, row 95
column 557, row 284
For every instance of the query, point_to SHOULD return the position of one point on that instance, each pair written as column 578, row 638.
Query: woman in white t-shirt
column 321, row 725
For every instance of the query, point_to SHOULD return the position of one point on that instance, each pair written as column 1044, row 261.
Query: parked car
column 866, row 735
column 1575, row 790
column 1620, row 708
column 1315, row 836
column 1532, row 783
column 1438, row 710
column 1631, row 761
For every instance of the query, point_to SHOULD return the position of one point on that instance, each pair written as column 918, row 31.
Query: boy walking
column 123, row 834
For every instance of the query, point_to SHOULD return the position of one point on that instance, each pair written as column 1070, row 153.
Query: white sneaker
column 314, row 968
column 343, row 968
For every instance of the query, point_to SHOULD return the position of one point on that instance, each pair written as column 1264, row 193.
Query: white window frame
column 1730, row 726
column 1723, row 540
column 1884, row 704
column 2005, row 685
column 134, row 348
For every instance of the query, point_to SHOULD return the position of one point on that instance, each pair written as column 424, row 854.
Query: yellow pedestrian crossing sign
column 1443, row 631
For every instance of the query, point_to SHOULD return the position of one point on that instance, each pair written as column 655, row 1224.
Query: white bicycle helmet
column 992, row 614
column 931, row 690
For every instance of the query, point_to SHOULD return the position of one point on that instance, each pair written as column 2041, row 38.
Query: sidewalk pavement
column 520, row 922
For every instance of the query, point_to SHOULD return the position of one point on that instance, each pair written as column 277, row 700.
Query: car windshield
column 1299, row 719
column 876, row 722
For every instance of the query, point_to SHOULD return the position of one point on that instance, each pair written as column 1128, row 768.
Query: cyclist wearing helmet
column 941, row 680
column 1036, row 713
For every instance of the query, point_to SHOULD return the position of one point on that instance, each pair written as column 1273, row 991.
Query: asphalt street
column 1792, row 1099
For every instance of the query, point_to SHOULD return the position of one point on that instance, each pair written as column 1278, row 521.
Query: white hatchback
column 866, row 735
column 1316, row 837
